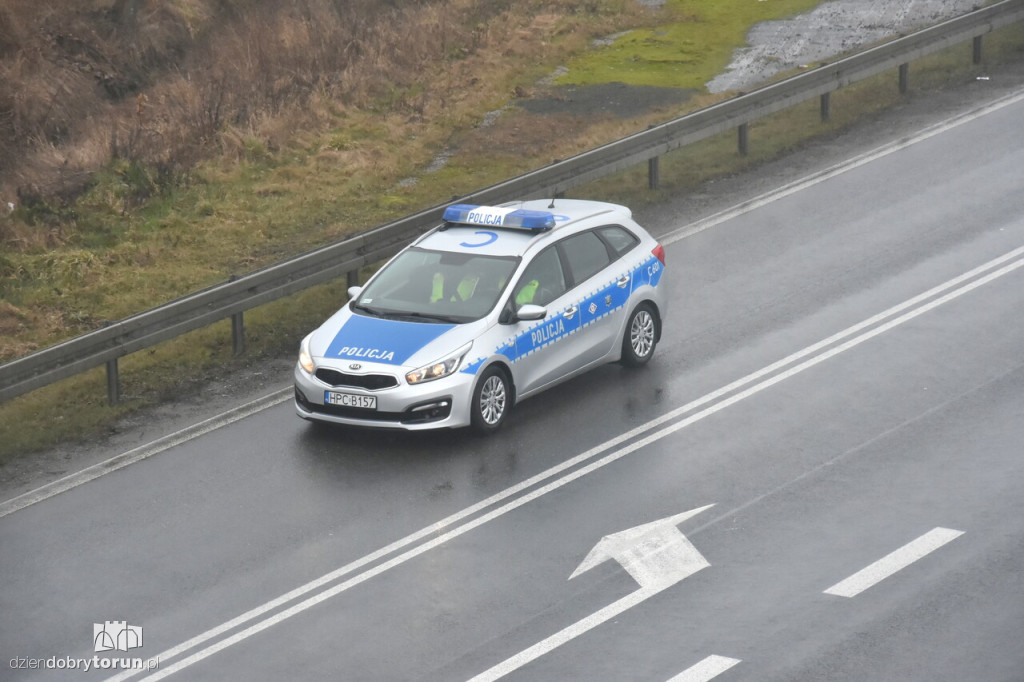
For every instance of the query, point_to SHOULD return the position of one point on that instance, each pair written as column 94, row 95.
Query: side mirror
column 530, row 312
column 353, row 292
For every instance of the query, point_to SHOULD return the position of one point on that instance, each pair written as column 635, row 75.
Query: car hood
column 350, row 337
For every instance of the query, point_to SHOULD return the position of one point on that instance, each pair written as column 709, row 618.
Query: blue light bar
column 496, row 216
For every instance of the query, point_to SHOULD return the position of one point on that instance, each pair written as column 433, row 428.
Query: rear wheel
column 641, row 336
column 491, row 401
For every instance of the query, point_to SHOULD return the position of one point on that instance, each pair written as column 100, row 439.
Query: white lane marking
column 656, row 554
column 559, row 638
column 438, row 538
column 143, row 451
column 821, row 176
column 709, row 668
column 119, row 461
column 893, row 562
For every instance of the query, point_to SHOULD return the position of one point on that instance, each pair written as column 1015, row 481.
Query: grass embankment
column 361, row 166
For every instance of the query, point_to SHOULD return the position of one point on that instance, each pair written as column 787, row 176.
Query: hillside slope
column 160, row 82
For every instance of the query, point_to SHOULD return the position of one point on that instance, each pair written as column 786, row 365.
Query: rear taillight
column 659, row 253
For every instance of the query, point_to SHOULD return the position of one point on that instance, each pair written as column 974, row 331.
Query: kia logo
column 355, row 366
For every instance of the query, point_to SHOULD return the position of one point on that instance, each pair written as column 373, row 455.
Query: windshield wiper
column 426, row 316
column 375, row 312
column 399, row 314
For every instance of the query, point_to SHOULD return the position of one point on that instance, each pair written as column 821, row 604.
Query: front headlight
column 440, row 369
column 305, row 359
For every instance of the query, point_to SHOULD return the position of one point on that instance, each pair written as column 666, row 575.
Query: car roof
column 483, row 238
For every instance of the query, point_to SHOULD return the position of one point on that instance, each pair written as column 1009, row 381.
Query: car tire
column 492, row 399
column 641, row 336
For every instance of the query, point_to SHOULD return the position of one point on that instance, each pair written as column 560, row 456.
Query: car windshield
column 437, row 286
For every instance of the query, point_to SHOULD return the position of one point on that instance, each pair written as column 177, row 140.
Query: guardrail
column 231, row 299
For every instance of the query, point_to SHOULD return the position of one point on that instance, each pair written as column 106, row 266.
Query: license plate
column 367, row 402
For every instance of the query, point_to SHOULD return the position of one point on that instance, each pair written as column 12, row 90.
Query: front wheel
column 491, row 401
column 641, row 336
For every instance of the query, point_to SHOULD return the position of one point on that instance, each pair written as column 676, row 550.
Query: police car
column 493, row 306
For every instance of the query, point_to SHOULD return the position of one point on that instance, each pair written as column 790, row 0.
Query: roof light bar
column 496, row 216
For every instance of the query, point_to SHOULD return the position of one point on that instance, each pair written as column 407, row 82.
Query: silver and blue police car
column 493, row 306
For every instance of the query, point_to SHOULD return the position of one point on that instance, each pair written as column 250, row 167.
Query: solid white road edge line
column 850, row 164
column 709, row 668
column 439, row 539
column 893, row 562
column 184, row 435
column 143, row 451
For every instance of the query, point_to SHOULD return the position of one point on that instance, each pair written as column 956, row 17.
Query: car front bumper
column 442, row 403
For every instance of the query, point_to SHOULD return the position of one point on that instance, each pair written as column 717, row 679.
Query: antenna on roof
column 552, row 204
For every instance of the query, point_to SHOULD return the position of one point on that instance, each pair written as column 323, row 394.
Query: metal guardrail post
column 238, row 333
column 113, row 378
column 826, row 107
column 976, row 50
column 743, row 133
column 113, row 383
column 904, row 78
column 653, row 179
column 237, row 327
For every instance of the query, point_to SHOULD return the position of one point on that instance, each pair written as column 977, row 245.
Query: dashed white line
column 894, row 562
column 708, row 669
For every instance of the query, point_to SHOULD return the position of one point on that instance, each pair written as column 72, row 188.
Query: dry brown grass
column 167, row 84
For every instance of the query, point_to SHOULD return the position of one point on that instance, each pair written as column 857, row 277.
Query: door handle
column 623, row 281
column 570, row 312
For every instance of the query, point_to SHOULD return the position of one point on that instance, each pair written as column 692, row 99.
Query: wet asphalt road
column 841, row 375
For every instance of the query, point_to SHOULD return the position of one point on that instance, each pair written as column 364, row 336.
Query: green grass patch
column 686, row 51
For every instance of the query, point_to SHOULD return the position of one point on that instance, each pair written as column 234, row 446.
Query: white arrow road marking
column 709, row 668
column 896, row 561
column 656, row 554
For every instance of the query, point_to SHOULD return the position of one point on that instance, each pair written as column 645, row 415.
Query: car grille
column 410, row 416
column 371, row 382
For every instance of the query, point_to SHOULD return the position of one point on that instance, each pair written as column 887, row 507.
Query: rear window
column 586, row 255
column 619, row 238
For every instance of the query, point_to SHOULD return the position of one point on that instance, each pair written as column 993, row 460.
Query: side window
column 619, row 238
column 586, row 255
column 543, row 280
